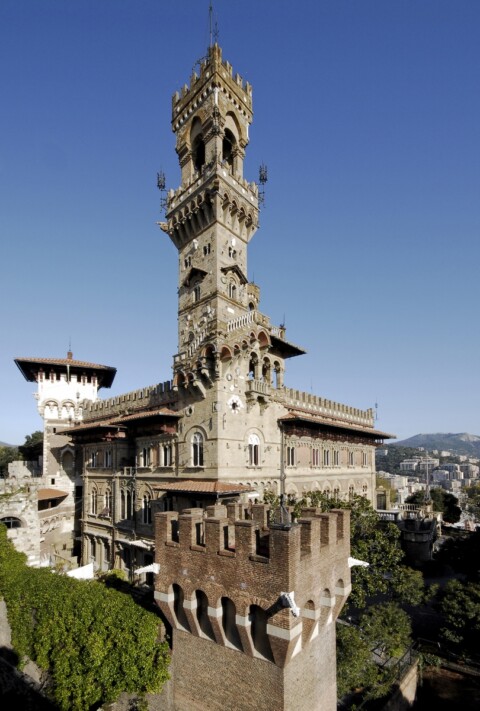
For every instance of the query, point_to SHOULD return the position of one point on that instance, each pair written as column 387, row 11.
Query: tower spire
column 210, row 18
column 213, row 27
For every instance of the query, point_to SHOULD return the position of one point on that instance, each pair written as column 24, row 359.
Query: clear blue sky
column 367, row 114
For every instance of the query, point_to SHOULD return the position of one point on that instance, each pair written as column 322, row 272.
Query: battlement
column 252, row 541
column 218, row 560
column 208, row 66
column 196, row 187
column 159, row 394
column 321, row 406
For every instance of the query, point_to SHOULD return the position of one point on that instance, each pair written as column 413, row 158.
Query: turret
column 255, row 599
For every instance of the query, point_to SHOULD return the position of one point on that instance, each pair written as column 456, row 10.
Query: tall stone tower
column 230, row 358
column 253, row 607
column 65, row 388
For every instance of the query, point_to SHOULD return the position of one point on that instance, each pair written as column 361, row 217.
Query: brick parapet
column 251, row 564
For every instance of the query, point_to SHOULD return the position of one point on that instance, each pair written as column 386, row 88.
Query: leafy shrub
column 93, row 641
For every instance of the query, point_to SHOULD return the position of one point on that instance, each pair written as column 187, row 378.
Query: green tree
column 32, row 448
column 356, row 668
column 372, row 541
column 365, row 651
column 443, row 502
column 473, row 500
column 461, row 551
column 460, row 608
column 94, row 642
column 7, row 455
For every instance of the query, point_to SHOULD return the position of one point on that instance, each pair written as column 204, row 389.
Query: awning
column 138, row 543
column 83, row 573
column 211, row 487
column 152, row 568
column 44, row 494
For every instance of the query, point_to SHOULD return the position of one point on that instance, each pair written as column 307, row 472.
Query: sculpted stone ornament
column 235, row 404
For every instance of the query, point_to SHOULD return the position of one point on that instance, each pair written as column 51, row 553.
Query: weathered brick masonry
column 221, row 586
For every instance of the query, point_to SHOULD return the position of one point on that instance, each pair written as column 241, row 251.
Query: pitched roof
column 44, row 494
column 29, row 368
column 142, row 415
column 118, row 420
column 297, row 414
column 235, row 268
column 202, row 486
column 287, row 349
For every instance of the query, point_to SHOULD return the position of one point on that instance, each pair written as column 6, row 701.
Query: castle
column 213, row 440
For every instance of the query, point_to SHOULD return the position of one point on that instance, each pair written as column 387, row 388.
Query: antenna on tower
column 376, row 411
column 213, row 26
column 163, row 192
column 262, row 179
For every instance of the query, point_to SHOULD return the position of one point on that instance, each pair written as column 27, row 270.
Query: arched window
column 130, row 504
column 123, row 504
column 93, row 502
column 145, row 457
column 108, row 502
column 232, row 290
column 167, row 455
column 11, row 522
column 228, row 145
column 196, row 293
column 253, row 450
column 326, row 457
column 350, row 458
column 198, row 153
column 197, row 450
column 146, row 508
column 290, row 456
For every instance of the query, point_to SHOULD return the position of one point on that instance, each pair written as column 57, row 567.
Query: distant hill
column 462, row 443
column 5, row 444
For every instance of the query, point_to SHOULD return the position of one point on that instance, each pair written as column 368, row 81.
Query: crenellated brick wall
column 221, row 585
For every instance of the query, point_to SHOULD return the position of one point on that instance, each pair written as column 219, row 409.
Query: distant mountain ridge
column 462, row 443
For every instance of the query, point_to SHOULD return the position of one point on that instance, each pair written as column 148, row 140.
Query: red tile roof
column 120, row 419
column 29, row 367
column 66, row 361
column 308, row 416
column 201, row 486
column 165, row 411
column 43, row 494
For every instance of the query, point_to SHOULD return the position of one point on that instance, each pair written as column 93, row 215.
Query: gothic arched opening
column 258, row 619
column 198, row 153
column 202, row 615
column 178, row 599
column 228, row 146
column 229, row 624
